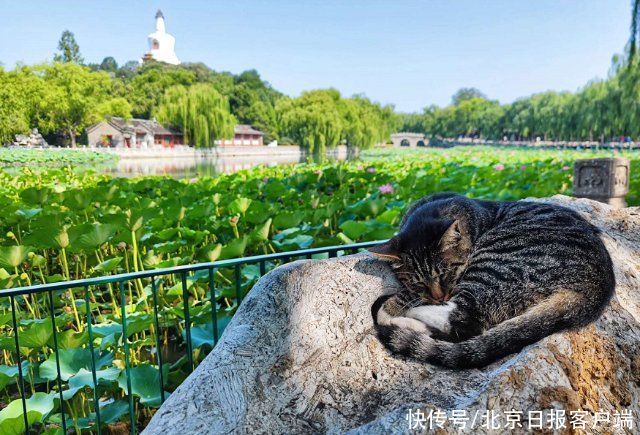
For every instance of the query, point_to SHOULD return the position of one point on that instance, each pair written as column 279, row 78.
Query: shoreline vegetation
column 60, row 156
column 53, row 156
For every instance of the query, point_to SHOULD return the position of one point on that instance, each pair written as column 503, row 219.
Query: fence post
column 605, row 180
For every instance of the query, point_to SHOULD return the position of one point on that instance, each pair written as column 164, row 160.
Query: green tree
column 199, row 111
column 20, row 91
column 150, row 83
column 365, row 123
column 109, row 108
column 412, row 122
column 73, row 98
column 253, row 102
column 635, row 29
column 128, row 70
column 466, row 94
column 312, row 120
column 68, row 48
column 109, row 64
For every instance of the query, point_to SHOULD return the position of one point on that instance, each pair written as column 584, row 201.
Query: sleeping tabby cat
column 483, row 279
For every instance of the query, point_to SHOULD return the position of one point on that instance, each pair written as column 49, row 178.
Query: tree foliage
column 18, row 98
column 199, row 111
column 322, row 119
column 149, row 84
column 635, row 28
column 366, row 123
column 72, row 97
column 313, row 120
column 109, row 64
column 464, row 94
column 253, row 101
column 601, row 110
column 69, row 50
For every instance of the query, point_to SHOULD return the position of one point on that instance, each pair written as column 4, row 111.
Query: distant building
column 161, row 44
column 243, row 135
column 133, row 133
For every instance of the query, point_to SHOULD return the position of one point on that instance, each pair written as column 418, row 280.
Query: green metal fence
column 159, row 311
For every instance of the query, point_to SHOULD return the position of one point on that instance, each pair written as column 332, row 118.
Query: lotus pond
column 59, row 224
column 15, row 156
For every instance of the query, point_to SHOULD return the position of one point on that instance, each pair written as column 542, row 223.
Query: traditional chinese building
column 243, row 135
column 132, row 133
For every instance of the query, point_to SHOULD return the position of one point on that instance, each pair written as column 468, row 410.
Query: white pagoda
column 161, row 44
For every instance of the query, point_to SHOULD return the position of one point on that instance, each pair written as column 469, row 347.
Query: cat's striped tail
column 560, row 311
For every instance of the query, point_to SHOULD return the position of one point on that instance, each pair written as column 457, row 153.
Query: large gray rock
column 300, row 356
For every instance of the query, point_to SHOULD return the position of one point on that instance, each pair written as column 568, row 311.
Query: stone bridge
column 409, row 140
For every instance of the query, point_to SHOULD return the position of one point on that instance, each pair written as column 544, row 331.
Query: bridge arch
column 408, row 140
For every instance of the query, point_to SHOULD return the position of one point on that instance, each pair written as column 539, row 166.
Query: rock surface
column 33, row 139
column 300, row 356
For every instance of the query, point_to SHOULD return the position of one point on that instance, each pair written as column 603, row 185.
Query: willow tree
column 199, row 111
column 313, row 120
column 635, row 29
column 365, row 123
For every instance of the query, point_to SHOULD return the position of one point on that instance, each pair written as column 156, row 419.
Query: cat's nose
column 436, row 291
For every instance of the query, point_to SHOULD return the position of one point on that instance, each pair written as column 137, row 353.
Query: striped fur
column 514, row 272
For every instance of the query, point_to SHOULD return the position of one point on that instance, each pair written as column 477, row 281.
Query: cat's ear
column 389, row 251
column 453, row 243
column 451, row 236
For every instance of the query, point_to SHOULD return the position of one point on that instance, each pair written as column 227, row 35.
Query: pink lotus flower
column 318, row 172
column 523, row 167
column 371, row 170
column 499, row 167
column 265, row 180
column 386, row 189
column 565, row 168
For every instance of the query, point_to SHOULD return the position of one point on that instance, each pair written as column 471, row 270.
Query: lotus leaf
column 287, row 220
column 71, row 361
column 202, row 335
column 234, row 249
column 107, row 266
column 353, row 229
column 9, row 374
column 109, row 413
column 239, row 206
column 38, row 408
column 90, row 236
column 37, row 334
column 145, row 383
column 84, row 378
column 261, row 233
column 13, row 256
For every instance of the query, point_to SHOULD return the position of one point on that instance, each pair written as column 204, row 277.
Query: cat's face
column 428, row 257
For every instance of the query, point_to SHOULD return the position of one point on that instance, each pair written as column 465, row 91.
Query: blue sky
column 407, row 53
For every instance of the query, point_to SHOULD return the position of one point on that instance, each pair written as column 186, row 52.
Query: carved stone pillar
column 605, row 180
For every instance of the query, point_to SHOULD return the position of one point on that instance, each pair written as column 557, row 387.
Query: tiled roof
column 246, row 129
column 140, row 126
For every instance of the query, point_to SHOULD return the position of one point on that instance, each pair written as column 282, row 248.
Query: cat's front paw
column 404, row 341
column 381, row 315
column 436, row 317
